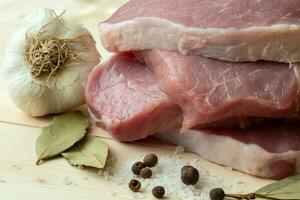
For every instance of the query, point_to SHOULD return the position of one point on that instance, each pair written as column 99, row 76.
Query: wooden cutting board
column 20, row 178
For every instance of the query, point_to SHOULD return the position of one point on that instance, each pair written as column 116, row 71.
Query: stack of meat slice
column 184, row 71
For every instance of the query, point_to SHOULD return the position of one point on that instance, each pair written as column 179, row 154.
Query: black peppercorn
column 134, row 185
column 150, row 160
column 189, row 175
column 137, row 167
column 217, row 194
column 158, row 192
column 146, row 173
column 252, row 196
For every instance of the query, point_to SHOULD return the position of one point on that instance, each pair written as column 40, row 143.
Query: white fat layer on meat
column 249, row 158
column 276, row 43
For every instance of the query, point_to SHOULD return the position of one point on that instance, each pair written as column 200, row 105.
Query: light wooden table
column 20, row 178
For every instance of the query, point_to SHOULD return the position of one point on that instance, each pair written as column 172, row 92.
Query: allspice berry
column 158, row 192
column 150, row 160
column 252, row 196
column 134, row 185
column 217, row 194
column 137, row 167
column 189, row 175
column 146, row 173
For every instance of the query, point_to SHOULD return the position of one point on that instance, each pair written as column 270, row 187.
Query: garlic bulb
column 47, row 63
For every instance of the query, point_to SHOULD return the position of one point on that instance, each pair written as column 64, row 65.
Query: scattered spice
column 189, row 175
column 150, row 160
column 167, row 174
column 134, row 185
column 179, row 150
column 158, row 192
column 67, row 181
column 217, row 194
column 137, row 167
column 252, row 196
column 146, row 173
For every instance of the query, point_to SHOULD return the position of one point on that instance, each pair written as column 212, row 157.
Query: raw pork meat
column 232, row 30
column 209, row 90
column 124, row 97
column 270, row 151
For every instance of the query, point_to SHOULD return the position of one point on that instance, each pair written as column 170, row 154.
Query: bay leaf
column 64, row 131
column 91, row 151
column 286, row 189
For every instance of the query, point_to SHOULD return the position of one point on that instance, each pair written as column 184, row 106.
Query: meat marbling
column 246, row 30
column 209, row 90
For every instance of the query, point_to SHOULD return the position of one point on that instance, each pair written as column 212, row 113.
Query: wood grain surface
column 20, row 178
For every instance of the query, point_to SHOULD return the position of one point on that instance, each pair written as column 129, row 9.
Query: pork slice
column 124, row 97
column 235, row 30
column 270, row 151
column 210, row 90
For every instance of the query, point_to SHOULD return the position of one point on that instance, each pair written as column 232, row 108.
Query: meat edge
column 296, row 67
column 250, row 159
column 256, row 43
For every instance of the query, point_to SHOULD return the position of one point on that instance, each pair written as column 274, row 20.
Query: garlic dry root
column 47, row 64
column 45, row 56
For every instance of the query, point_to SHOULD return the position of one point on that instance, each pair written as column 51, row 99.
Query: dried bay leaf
column 91, row 151
column 64, row 131
column 288, row 188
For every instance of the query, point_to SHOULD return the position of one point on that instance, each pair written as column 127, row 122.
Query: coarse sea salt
column 167, row 174
column 67, row 181
column 80, row 166
column 138, row 195
column 179, row 150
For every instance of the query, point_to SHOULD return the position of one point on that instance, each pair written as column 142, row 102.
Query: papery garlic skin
column 65, row 90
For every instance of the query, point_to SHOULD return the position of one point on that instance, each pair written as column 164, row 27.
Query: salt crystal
column 67, row 181
column 197, row 192
column 138, row 196
column 186, row 190
column 179, row 150
column 106, row 175
column 113, row 159
column 177, row 162
column 80, row 166
column 191, row 187
column 194, row 162
column 100, row 172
